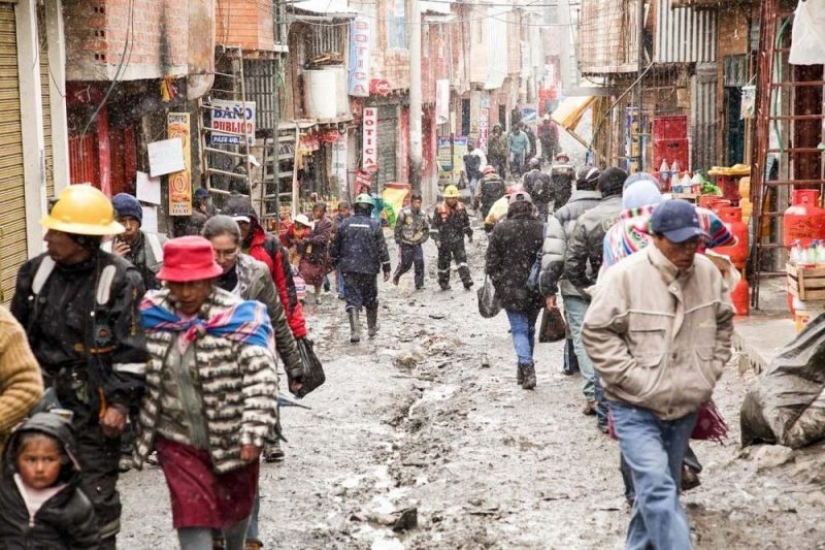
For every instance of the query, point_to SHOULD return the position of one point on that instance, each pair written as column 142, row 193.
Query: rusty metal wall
column 704, row 120
column 684, row 35
column 259, row 80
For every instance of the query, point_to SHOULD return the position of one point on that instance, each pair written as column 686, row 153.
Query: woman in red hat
column 211, row 394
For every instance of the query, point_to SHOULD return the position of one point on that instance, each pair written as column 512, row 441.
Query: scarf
column 245, row 322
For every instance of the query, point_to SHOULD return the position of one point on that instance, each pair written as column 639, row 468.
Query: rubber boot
column 372, row 322
column 354, row 326
column 519, row 374
column 529, row 376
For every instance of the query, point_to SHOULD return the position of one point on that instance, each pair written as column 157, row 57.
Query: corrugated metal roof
column 684, row 35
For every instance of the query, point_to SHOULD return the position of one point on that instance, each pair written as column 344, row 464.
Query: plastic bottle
column 813, row 253
column 664, row 171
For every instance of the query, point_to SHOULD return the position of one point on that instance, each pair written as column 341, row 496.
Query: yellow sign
column 180, row 183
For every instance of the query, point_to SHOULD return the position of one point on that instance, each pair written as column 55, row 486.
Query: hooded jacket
column 583, row 257
column 511, row 252
column 659, row 337
column 67, row 519
column 498, row 145
column 359, row 247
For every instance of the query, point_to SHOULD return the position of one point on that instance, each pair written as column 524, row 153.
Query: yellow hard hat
column 83, row 210
column 451, row 192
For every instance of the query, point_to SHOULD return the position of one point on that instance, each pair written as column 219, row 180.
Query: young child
column 42, row 506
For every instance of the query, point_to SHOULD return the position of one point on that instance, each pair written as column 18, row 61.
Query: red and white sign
column 369, row 137
column 359, row 57
column 380, row 86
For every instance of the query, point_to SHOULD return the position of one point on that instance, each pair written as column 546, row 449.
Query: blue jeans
column 252, row 531
column 574, row 310
column 654, row 449
column 523, row 328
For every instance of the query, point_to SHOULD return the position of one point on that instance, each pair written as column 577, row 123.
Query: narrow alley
column 413, row 419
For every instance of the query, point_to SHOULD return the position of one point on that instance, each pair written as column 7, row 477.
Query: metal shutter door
column 48, row 157
column 388, row 130
column 13, row 249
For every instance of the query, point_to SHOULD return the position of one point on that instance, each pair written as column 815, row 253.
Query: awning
column 570, row 111
column 323, row 7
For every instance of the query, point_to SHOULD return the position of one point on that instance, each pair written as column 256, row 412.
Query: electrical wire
column 124, row 62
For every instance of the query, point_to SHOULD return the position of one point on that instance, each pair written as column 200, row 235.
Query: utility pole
column 414, row 33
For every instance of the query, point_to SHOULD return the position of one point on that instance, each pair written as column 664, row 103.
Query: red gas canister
column 731, row 216
column 740, row 296
column 804, row 219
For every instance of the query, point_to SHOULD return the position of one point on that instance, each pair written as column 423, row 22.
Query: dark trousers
column 411, row 254
column 361, row 290
column 446, row 253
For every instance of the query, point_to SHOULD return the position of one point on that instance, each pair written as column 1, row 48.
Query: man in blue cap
column 659, row 334
column 142, row 248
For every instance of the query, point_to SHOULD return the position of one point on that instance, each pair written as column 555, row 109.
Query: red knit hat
column 188, row 259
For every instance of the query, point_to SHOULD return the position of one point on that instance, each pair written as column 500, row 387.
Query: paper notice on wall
column 150, row 219
column 165, row 157
column 148, row 189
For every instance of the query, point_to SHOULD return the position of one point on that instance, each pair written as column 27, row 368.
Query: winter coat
column 544, row 189
column 450, row 225
column 583, row 257
column 519, row 143
column 269, row 250
column 21, row 385
column 316, row 246
column 359, row 247
column 60, row 330
column 557, row 233
column 411, row 227
column 498, row 146
column 472, row 166
column 511, row 252
column 67, row 519
column 659, row 338
column 237, row 384
column 255, row 283
column 490, row 189
column 562, row 177
column 146, row 254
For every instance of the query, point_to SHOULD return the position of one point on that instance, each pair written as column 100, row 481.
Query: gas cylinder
column 740, row 296
column 731, row 216
column 804, row 219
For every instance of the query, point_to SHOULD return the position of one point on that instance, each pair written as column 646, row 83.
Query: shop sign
column 228, row 116
column 369, row 137
column 339, row 163
column 483, row 128
column 359, row 57
column 180, row 183
column 380, row 86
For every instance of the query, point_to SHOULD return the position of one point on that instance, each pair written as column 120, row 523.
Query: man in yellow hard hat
column 450, row 224
column 79, row 305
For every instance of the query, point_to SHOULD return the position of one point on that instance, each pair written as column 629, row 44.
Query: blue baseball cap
column 677, row 220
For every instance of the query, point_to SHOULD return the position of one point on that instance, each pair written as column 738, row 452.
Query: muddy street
column 415, row 420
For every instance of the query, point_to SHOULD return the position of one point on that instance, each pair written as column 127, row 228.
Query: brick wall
column 245, row 23
column 97, row 30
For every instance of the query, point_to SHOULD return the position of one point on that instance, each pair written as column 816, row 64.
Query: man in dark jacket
column 142, row 248
column 498, row 149
column 544, row 189
column 411, row 231
column 557, row 235
column 491, row 188
column 79, row 307
column 583, row 256
column 360, row 252
column 450, row 224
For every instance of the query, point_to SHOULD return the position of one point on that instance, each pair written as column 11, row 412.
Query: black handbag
column 313, row 376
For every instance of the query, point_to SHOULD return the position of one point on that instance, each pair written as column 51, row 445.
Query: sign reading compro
column 231, row 120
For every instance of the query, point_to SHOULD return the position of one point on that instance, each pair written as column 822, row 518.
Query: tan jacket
column 21, row 385
column 657, row 341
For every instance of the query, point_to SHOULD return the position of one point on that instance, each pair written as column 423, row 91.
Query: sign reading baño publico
column 228, row 116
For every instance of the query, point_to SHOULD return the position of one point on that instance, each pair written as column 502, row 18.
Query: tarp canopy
column 570, row 111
